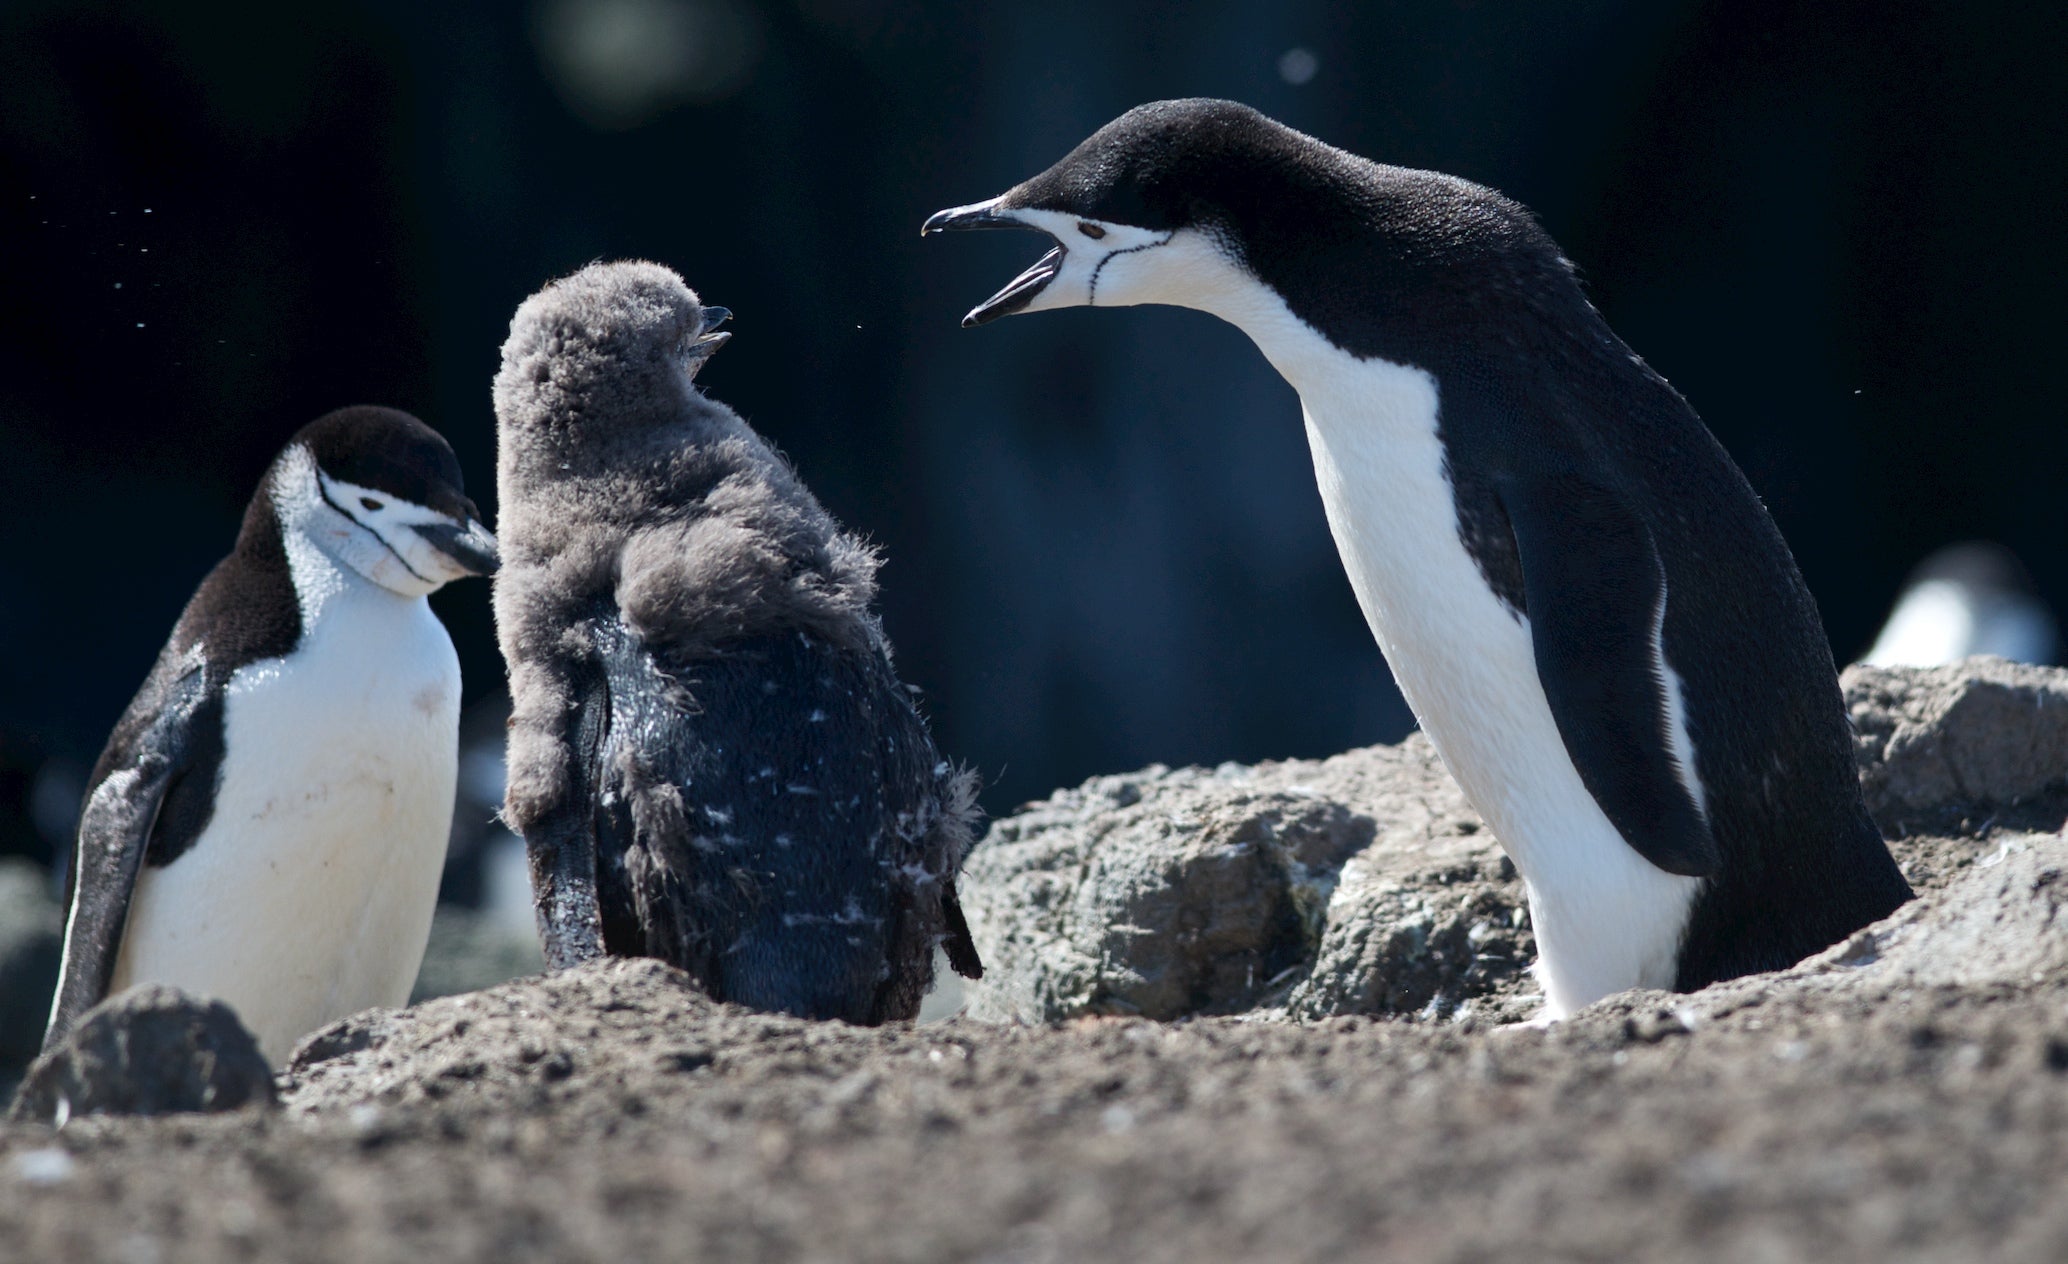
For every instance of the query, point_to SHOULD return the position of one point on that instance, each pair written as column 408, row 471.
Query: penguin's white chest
column 309, row 895
column 1605, row 918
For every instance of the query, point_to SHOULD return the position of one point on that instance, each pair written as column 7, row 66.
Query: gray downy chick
column 711, row 758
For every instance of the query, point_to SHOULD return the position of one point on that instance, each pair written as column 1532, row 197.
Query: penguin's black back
column 1803, row 863
column 771, row 820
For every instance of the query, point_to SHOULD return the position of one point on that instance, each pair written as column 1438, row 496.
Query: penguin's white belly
column 309, row 894
column 1606, row 919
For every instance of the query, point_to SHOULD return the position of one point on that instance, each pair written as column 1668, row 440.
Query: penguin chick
column 1583, row 600
column 268, row 821
column 711, row 759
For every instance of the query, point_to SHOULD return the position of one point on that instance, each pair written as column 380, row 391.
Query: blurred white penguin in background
column 1966, row 599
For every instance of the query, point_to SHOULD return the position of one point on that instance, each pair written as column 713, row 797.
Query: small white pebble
column 52, row 1165
column 1117, row 1119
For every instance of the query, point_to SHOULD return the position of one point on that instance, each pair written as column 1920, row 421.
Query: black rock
column 152, row 1050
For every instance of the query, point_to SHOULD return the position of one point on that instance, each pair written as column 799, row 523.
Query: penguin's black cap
column 387, row 449
column 1163, row 165
column 1159, row 166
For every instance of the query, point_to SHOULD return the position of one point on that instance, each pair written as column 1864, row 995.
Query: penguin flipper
column 1596, row 592
column 170, row 732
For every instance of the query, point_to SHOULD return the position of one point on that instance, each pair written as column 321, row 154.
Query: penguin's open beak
column 471, row 547
column 708, row 338
column 1019, row 291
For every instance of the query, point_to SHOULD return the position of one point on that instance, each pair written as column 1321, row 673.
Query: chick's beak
column 709, row 338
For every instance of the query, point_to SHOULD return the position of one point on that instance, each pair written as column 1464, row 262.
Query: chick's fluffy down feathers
column 618, row 477
column 628, row 494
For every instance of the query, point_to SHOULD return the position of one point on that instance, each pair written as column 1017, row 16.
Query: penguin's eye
column 371, row 505
column 1092, row 231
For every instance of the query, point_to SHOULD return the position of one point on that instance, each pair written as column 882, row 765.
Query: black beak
column 975, row 215
column 471, row 546
column 708, row 339
column 1019, row 291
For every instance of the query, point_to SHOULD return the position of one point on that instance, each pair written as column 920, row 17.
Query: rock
column 1364, row 884
column 2000, row 921
column 32, row 931
column 1998, row 924
column 1361, row 883
column 151, row 1050
column 1974, row 735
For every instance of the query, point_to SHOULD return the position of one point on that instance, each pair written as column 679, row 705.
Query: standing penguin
column 1966, row 599
column 1581, row 597
column 710, row 757
column 268, row 821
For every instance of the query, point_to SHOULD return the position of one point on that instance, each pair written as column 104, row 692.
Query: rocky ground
column 1269, row 1012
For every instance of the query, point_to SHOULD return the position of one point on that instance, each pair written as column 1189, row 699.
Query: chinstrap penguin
column 1963, row 600
column 268, row 821
column 1583, row 600
column 710, row 758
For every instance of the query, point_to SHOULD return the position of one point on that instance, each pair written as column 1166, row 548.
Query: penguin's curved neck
column 1196, row 274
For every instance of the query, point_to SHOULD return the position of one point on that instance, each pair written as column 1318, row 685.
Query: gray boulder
column 1364, row 884
column 1971, row 736
column 2001, row 919
column 152, row 1050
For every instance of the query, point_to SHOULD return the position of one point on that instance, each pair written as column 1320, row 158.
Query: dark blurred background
column 1836, row 227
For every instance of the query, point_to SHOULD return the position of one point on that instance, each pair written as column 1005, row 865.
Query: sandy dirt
column 1901, row 1097
column 614, row 1113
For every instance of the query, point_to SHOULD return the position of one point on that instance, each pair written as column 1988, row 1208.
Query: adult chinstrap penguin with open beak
column 1583, row 600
